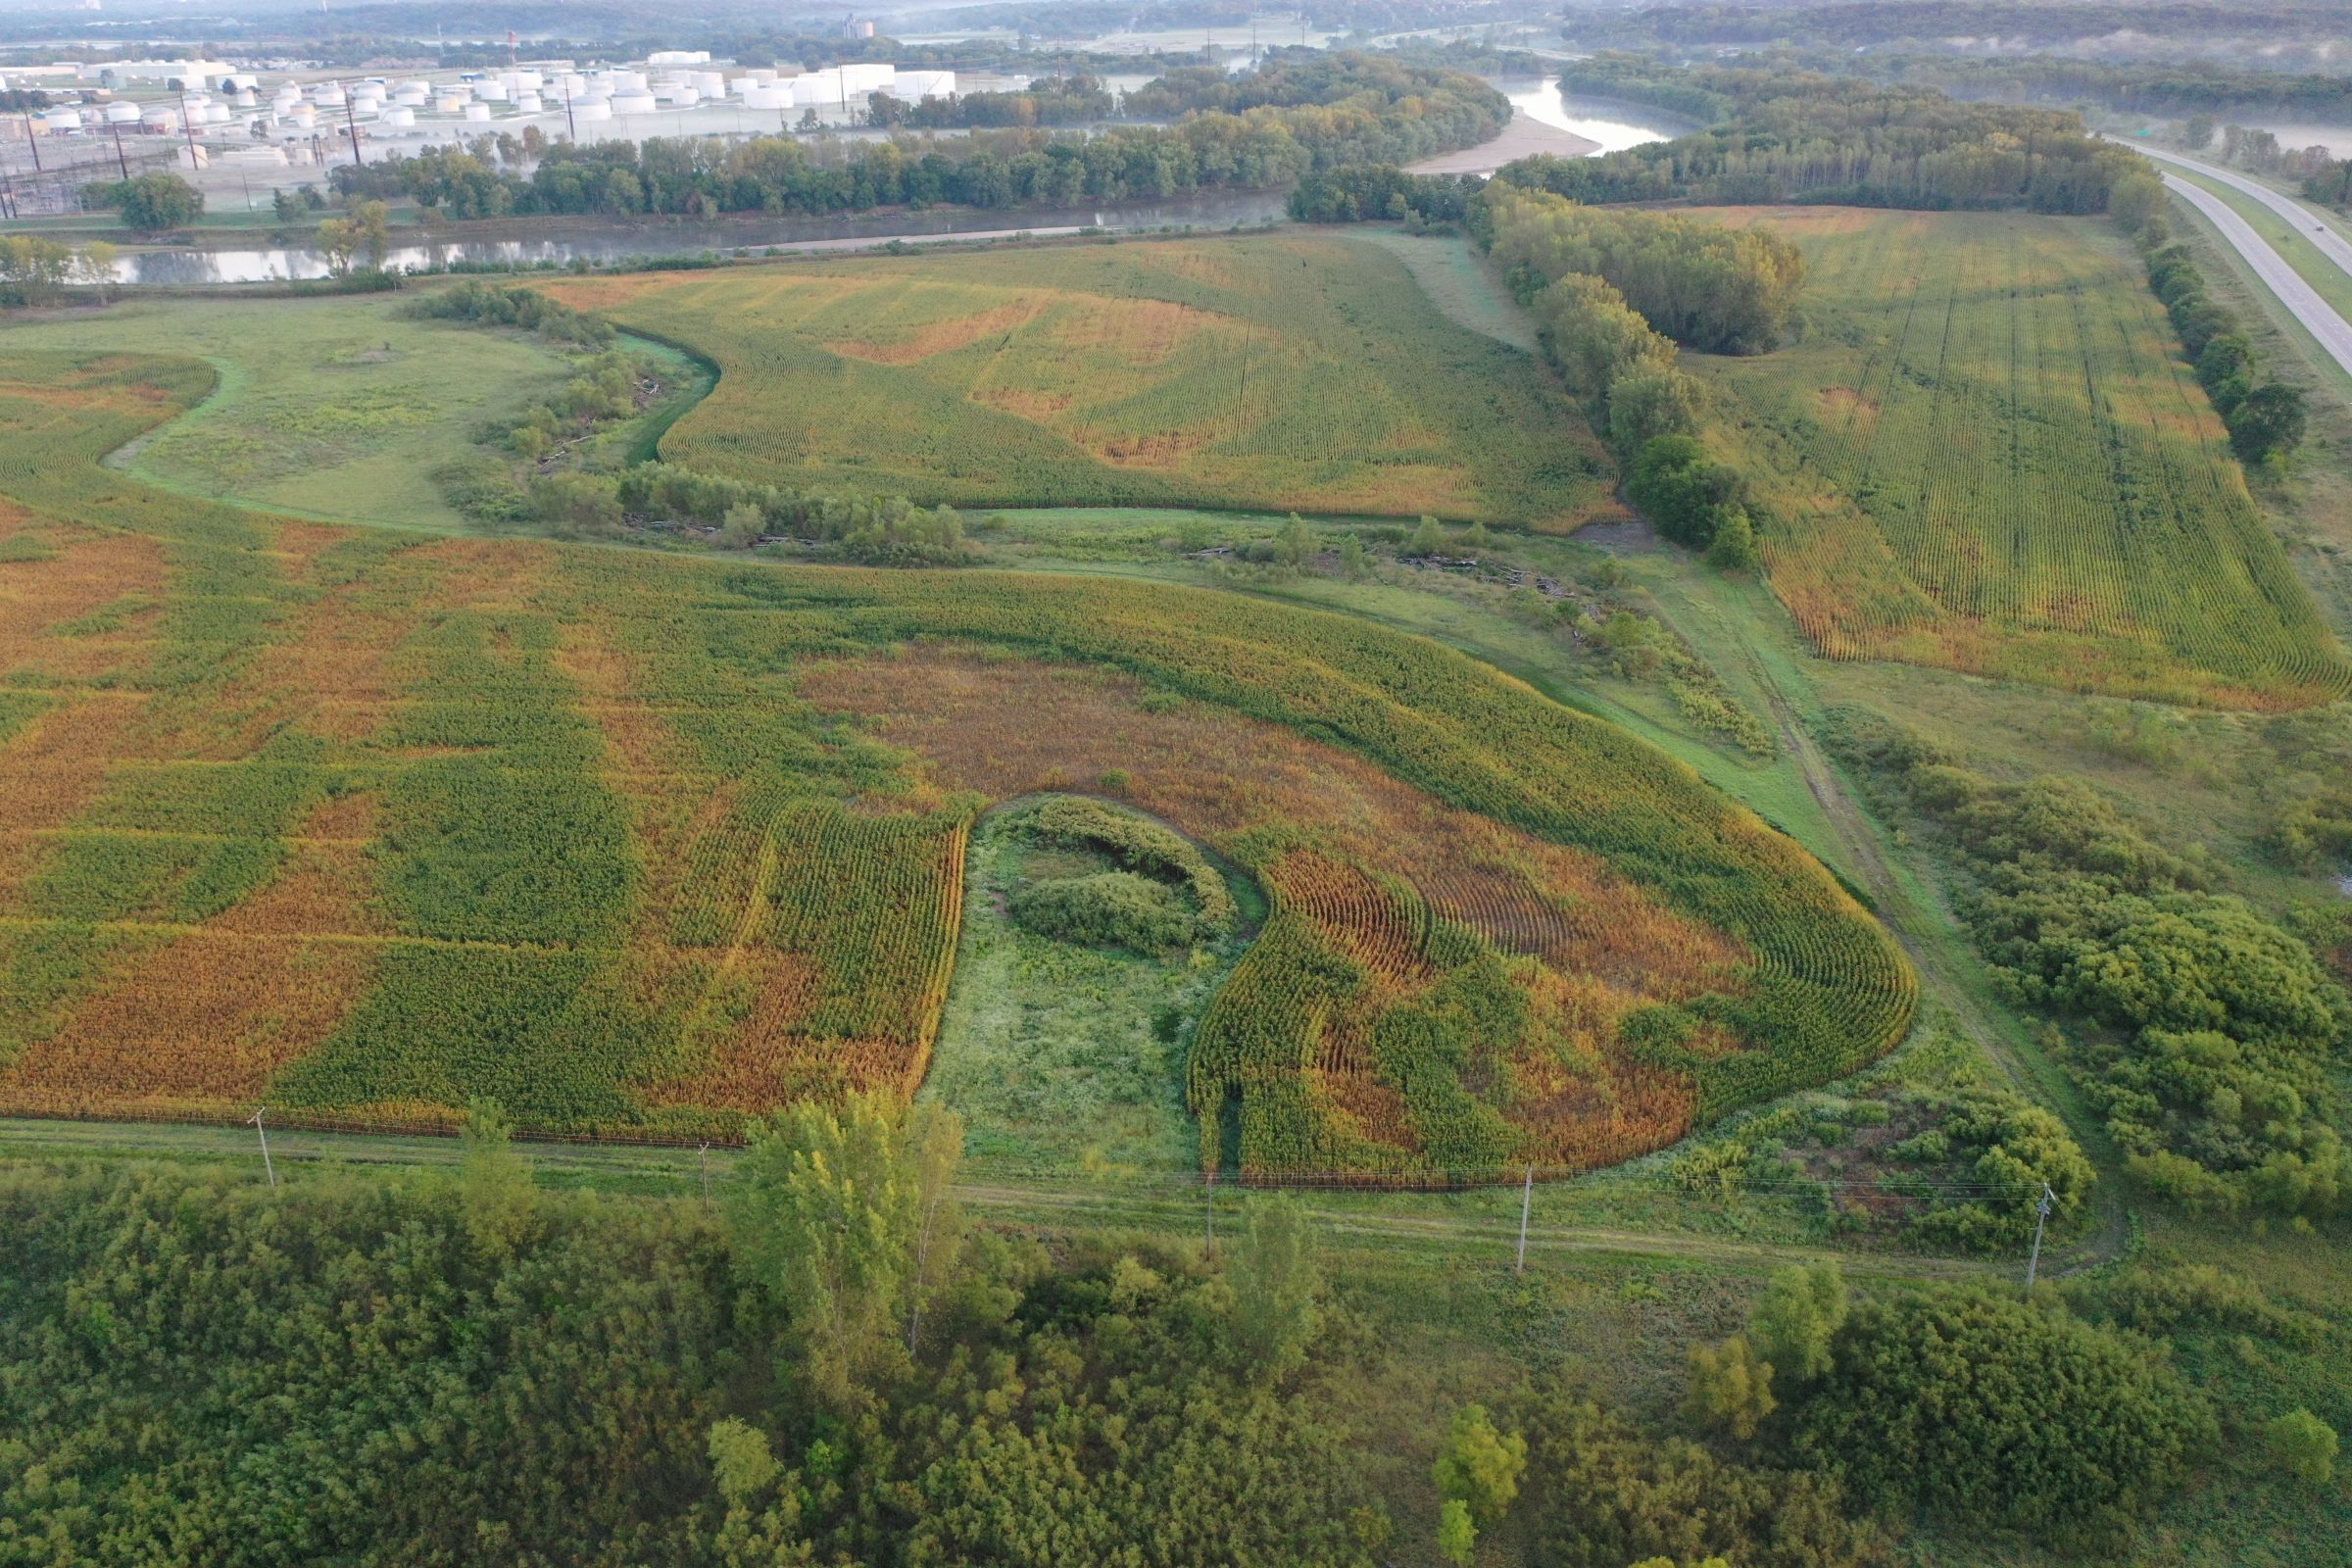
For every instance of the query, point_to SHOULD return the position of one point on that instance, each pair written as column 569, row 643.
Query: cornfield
column 1292, row 375
column 1987, row 455
column 367, row 826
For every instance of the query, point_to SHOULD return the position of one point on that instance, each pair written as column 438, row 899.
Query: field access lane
column 2319, row 318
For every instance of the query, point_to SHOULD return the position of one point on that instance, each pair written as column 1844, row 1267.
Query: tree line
column 1780, row 134
column 2265, row 419
column 1370, row 112
column 833, row 1363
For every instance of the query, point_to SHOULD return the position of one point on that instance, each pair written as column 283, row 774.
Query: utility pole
column 2041, row 1216
column 351, row 122
column 1527, row 1198
column 33, row 140
column 120, row 162
column 573, row 132
column 256, row 1120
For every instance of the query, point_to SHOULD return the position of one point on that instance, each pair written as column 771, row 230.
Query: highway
column 2305, row 224
column 2319, row 318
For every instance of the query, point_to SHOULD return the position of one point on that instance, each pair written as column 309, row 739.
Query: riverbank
column 1525, row 136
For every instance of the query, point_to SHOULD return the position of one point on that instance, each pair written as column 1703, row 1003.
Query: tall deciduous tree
column 844, row 1217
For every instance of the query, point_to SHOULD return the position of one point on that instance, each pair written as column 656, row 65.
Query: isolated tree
column 2302, row 1446
column 842, row 1218
column 1684, row 492
column 2136, row 199
column 1352, row 559
column 95, row 267
column 154, row 202
column 1795, row 1320
column 1733, row 547
column 1477, row 1475
column 1274, row 1282
column 1294, row 543
column 2196, row 133
column 374, row 231
column 1458, row 1533
column 1653, row 401
column 338, row 240
column 1729, row 1389
column 498, row 1199
column 742, row 525
column 2270, row 419
column 933, row 1148
column 1429, row 539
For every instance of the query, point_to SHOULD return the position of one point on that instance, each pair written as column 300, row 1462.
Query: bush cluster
column 2213, row 1036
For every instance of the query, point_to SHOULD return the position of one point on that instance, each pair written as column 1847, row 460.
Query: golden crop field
column 1985, row 455
column 361, row 825
column 1307, row 374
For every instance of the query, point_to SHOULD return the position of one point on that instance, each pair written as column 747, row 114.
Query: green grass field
column 1307, row 374
column 1985, row 455
column 329, row 408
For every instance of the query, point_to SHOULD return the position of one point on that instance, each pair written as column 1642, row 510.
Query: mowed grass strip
column 1310, row 374
column 1985, row 455
column 338, row 407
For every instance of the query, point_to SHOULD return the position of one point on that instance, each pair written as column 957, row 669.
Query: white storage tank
column 400, row 117
column 216, row 115
column 711, row 83
column 816, row 90
column 774, row 95
column 681, row 95
column 916, row 86
column 633, row 103
column 411, row 97
column 867, row 78
column 448, row 103
column 490, row 92
column 332, row 96
column 528, row 103
column 122, row 114
column 479, row 112
column 159, row 117
column 625, row 81
column 526, row 81
column 62, row 120
column 590, row 110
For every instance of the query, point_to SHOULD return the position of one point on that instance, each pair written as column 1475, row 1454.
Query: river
column 1612, row 126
